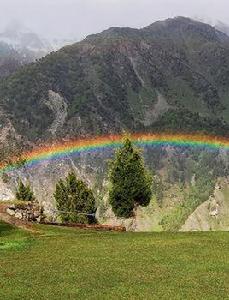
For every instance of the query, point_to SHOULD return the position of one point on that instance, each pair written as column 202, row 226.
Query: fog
column 78, row 18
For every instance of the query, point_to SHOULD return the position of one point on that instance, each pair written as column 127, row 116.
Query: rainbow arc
column 63, row 149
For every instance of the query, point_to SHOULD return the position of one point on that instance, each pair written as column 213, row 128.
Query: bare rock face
column 110, row 219
column 212, row 214
column 7, row 130
column 18, row 215
column 154, row 112
column 145, row 219
column 10, row 211
column 6, row 192
column 59, row 107
column 44, row 176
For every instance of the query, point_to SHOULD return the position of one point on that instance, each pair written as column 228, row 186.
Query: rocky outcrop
column 6, row 194
column 152, row 114
column 7, row 130
column 59, row 108
column 30, row 212
column 212, row 214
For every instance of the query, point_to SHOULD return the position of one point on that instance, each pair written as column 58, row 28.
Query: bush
column 75, row 201
column 24, row 192
column 130, row 182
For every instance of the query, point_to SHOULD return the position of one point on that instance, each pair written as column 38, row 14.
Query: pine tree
column 130, row 181
column 75, row 200
column 24, row 192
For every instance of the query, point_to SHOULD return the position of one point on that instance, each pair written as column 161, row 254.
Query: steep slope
column 212, row 214
column 223, row 27
column 114, row 80
column 10, row 60
column 19, row 46
column 169, row 76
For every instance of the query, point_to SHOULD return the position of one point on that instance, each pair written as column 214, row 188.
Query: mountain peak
column 179, row 21
column 114, row 32
column 184, row 26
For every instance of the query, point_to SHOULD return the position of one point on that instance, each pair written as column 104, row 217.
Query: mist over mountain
column 19, row 45
column 223, row 27
column 76, row 19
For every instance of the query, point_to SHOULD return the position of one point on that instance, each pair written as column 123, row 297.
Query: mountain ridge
column 135, row 64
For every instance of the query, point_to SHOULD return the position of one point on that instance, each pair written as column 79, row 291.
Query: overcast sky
column 77, row 18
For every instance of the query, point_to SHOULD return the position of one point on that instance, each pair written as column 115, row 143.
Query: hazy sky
column 77, row 18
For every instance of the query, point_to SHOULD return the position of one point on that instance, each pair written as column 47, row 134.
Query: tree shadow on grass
column 5, row 229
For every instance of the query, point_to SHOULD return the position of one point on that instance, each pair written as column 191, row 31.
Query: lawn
column 65, row 263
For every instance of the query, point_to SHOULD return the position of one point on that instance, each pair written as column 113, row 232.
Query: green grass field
column 65, row 263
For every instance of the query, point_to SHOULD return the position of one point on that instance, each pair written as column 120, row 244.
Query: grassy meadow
column 66, row 263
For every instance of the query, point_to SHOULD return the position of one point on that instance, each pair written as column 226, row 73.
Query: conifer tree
column 130, row 181
column 75, row 200
column 24, row 192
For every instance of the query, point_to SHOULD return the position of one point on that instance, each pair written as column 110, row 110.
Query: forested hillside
column 172, row 75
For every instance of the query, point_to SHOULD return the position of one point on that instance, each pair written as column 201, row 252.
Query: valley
column 166, row 78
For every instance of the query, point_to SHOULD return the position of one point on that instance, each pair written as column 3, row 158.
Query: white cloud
column 82, row 17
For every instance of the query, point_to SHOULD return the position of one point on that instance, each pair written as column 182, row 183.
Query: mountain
column 22, row 39
column 223, row 27
column 10, row 60
column 25, row 41
column 19, row 46
column 170, row 76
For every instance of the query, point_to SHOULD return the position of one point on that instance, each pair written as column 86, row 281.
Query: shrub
column 24, row 192
column 75, row 201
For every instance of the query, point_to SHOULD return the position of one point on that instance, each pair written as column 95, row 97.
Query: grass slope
column 74, row 264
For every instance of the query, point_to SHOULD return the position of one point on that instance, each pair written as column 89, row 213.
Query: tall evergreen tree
column 24, row 192
column 75, row 200
column 130, row 181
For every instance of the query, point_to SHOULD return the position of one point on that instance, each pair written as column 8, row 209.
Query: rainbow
column 63, row 149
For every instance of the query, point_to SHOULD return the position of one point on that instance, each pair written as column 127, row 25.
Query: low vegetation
column 24, row 192
column 65, row 263
column 75, row 201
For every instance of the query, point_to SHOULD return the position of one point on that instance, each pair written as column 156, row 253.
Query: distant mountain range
column 22, row 46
